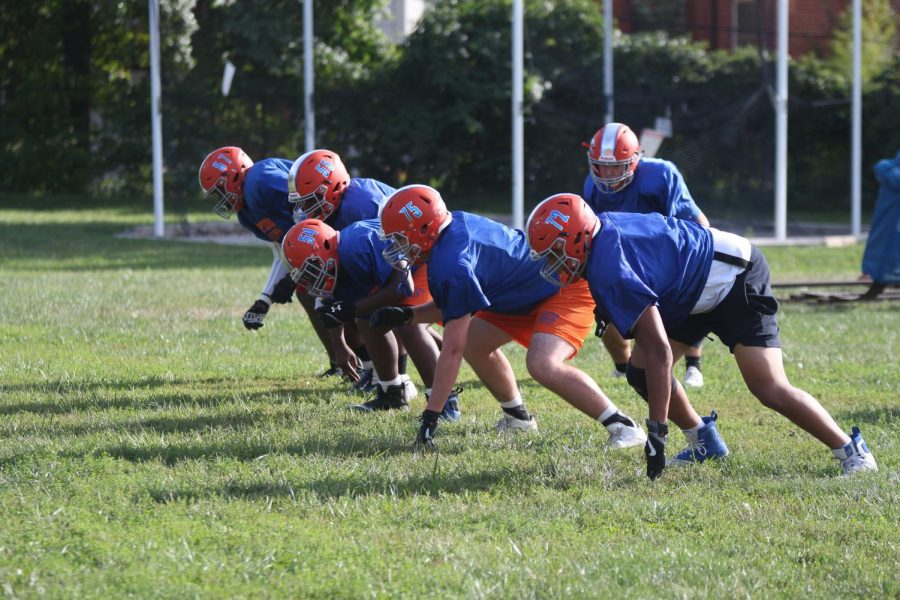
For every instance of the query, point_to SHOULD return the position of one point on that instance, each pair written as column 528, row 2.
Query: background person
column 622, row 180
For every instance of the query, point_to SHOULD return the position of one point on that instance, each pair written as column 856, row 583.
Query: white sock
column 367, row 364
column 386, row 384
column 613, row 409
column 693, row 434
column 428, row 392
column 517, row 401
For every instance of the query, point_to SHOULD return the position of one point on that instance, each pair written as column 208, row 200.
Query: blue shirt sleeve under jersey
column 361, row 201
column 479, row 264
column 267, row 213
column 363, row 268
column 641, row 260
column 657, row 187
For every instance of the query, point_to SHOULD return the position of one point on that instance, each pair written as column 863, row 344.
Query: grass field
column 151, row 447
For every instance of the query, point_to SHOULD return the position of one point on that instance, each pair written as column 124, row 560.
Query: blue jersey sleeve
column 362, row 200
column 678, row 200
column 267, row 213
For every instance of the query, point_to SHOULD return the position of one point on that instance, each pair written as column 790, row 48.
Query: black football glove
column 390, row 316
column 335, row 313
column 655, row 448
column 253, row 318
column 428, row 428
column 284, row 291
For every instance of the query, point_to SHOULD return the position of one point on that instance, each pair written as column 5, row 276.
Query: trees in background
column 74, row 98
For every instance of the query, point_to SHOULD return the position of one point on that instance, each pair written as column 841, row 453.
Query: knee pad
column 637, row 378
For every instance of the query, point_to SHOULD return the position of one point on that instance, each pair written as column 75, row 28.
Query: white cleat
column 508, row 423
column 693, row 377
column 409, row 387
column 855, row 456
column 625, row 436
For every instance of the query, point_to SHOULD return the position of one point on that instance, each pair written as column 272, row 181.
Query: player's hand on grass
column 347, row 362
column 655, row 448
column 284, row 291
column 253, row 318
column 427, row 429
column 390, row 316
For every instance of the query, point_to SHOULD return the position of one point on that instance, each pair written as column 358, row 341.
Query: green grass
column 150, row 446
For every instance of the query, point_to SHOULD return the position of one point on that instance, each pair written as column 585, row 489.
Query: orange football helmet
column 613, row 156
column 222, row 175
column 316, row 184
column 411, row 219
column 310, row 249
column 560, row 230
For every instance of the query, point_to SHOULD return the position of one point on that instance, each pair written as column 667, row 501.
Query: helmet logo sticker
column 551, row 220
column 308, row 236
column 325, row 167
column 411, row 211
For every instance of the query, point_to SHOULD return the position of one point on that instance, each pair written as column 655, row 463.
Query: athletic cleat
column 332, row 371
column 451, row 411
column 394, row 398
column 693, row 377
column 508, row 423
column 709, row 445
column 409, row 387
column 625, row 436
column 368, row 381
column 855, row 456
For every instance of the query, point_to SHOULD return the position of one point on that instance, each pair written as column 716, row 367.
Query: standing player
column 658, row 278
column 258, row 194
column 487, row 292
column 621, row 180
column 348, row 271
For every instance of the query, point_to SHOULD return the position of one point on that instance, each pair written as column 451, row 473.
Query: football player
column 487, row 292
column 346, row 269
column 621, row 180
column 659, row 278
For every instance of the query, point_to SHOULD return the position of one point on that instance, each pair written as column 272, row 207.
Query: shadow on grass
column 201, row 393
column 92, row 247
column 353, row 486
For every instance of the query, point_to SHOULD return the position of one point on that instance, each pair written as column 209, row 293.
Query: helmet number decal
column 325, row 168
column 411, row 211
column 308, row 236
column 557, row 215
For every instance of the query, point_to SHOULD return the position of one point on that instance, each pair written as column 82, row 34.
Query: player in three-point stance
column 346, row 269
column 657, row 278
column 487, row 292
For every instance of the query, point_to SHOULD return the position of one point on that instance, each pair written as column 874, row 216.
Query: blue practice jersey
column 640, row 260
column 362, row 266
column 657, row 187
column 362, row 200
column 267, row 214
column 479, row 264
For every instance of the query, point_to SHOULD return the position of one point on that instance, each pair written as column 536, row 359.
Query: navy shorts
column 745, row 316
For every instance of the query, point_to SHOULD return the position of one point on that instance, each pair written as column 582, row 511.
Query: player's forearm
column 446, row 372
column 426, row 313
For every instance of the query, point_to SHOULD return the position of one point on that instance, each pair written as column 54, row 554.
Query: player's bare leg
column 680, row 410
column 422, row 349
column 309, row 305
column 487, row 360
column 763, row 372
column 619, row 348
column 546, row 363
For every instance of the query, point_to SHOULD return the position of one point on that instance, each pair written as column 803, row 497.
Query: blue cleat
column 709, row 445
column 451, row 410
